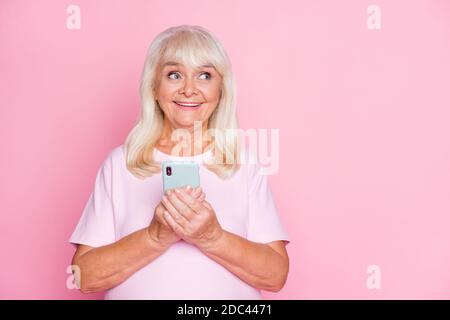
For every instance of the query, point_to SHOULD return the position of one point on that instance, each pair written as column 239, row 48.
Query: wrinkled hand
column 193, row 220
column 161, row 232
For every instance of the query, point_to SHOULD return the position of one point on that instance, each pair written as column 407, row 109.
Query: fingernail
column 168, row 192
column 188, row 188
column 177, row 191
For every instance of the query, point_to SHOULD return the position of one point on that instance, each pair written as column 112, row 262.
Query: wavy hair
column 193, row 46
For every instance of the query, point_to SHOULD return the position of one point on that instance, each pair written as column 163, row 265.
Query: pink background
column 363, row 116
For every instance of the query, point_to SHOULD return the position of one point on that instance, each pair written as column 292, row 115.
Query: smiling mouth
column 188, row 104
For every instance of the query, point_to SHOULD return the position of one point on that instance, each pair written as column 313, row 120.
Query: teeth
column 188, row 104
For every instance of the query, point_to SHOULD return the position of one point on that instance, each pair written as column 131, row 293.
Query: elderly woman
column 222, row 240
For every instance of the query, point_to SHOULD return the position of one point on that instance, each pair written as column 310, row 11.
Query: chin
column 186, row 123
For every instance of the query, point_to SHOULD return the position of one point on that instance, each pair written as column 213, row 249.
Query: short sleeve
column 264, row 224
column 96, row 225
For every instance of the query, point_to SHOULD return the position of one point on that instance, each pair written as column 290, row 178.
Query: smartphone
column 178, row 174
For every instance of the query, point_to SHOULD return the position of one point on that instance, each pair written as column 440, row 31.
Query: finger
column 207, row 204
column 188, row 188
column 180, row 205
column 176, row 227
column 159, row 214
column 161, row 220
column 194, row 204
column 196, row 192
column 167, row 204
column 176, row 214
column 201, row 197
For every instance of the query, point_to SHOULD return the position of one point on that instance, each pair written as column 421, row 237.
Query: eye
column 169, row 75
column 207, row 74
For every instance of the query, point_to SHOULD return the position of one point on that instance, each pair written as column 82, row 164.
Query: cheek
column 213, row 93
column 166, row 90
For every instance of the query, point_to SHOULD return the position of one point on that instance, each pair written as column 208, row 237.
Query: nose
column 188, row 87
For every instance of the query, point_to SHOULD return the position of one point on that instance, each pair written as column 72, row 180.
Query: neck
column 189, row 141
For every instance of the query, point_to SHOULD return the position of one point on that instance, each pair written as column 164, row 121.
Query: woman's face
column 186, row 95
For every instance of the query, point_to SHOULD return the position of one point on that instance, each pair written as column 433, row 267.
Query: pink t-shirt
column 122, row 203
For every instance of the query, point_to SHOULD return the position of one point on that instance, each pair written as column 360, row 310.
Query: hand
column 159, row 231
column 193, row 220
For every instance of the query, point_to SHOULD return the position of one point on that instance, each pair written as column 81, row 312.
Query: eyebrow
column 173, row 63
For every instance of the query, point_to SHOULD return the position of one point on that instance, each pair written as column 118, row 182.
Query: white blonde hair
column 193, row 46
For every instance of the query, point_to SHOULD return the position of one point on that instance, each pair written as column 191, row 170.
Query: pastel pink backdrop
column 363, row 115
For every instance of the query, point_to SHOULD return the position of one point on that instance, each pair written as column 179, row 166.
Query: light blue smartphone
column 178, row 174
